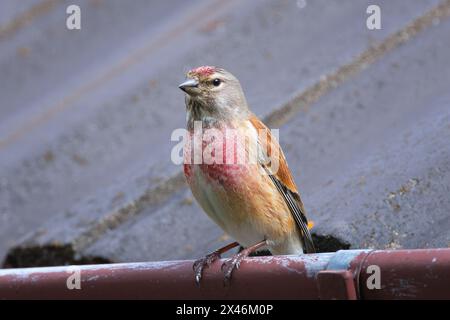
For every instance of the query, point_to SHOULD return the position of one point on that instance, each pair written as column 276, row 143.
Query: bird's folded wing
column 283, row 180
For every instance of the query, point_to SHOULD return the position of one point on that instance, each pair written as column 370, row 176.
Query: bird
column 254, row 199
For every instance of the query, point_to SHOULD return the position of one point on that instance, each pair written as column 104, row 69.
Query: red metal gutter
column 404, row 274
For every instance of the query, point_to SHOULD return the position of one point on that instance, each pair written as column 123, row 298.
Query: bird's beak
column 189, row 85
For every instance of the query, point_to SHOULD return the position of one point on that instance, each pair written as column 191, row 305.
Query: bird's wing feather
column 283, row 181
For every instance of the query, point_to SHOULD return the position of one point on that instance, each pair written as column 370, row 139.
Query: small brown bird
column 255, row 202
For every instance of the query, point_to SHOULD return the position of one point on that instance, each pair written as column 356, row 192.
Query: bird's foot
column 233, row 263
column 200, row 264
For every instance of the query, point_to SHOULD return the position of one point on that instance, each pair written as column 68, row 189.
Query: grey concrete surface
column 86, row 118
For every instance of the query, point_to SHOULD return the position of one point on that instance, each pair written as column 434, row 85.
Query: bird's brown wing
column 284, row 182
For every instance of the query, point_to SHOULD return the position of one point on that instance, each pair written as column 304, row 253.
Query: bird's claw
column 229, row 266
column 200, row 264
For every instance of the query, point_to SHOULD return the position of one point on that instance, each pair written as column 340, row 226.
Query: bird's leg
column 234, row 262
column 206, row 261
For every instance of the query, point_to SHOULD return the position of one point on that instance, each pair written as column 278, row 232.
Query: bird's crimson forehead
column 203, row 71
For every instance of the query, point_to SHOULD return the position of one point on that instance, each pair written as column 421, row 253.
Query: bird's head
column 214, row 92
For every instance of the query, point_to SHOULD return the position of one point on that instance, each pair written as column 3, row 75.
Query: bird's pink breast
column 225, row 168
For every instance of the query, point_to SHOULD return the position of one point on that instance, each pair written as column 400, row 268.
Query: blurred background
column 86, row 118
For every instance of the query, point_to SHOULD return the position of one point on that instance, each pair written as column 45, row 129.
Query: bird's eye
column 216, row 82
